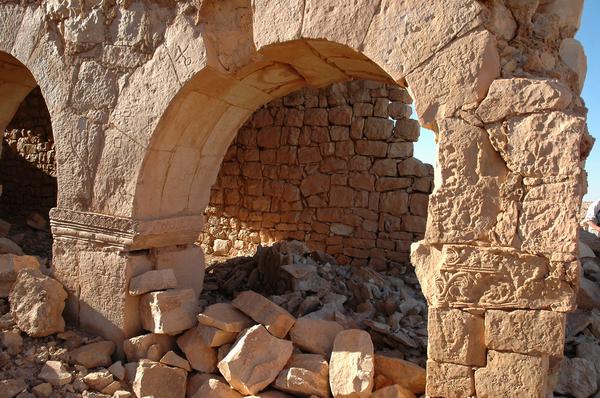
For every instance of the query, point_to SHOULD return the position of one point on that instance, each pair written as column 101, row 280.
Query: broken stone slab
column 10, row 265
column 401, row 372
column 169, row 312
column 200, row 355
column 305, row 375
column 7, row 246
column 509, row 374
column 214, row 337
column 98, row 380
column 255, row 360
column 42, row 390
column 588, row 296
column 111, row 388
column 118, row 370
column 525, row 332
column 37, row 303
column 55, row 373
column 215, row 388
column 154, row 280
column 274, row 318
column 136, row 348
column 159, row 381
column 315, row 335
column 11, row 341
column 172, row 359
column 10, row 388
column 352, row 365
column 226, row 317
column 93, row 355
column 577, row 378
column 394, row 391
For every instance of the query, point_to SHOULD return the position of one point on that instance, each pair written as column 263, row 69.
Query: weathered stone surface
column 10, row 265
column 159, row 381
column 169, row 312
column 510, row 374
column 577, row 378
column 352, row 364
column 224, row 316
column 55, row 373
column 93, row 355
column 98, row 380
column 401, row 372
column 37, row 303
column 449, row 380
column 214, row 337
column 151, row 281
column 456, row 336
column 464, row 84
column 588, row 296
column 215, row 388
column 516, row 96
column 591, row 351
column 525, row 332
column 572, row 54
column 315, row 335
column 306, row 375
column 274, row 318
column 394, row 391
column 137, row 347
column 172, row 359
column 255, row 360
column 199, row 354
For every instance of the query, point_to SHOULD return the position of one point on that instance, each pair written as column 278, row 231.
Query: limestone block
column 449, row 380
column 398, row 371
column 591, row 351
column 572, row 54
column 525, row 332
column 491, row 278
column 55, row 373
column 172, row 359
column 588, row 296
column 352, row 365
column 456, row 336
column 169, row 312
column 541, row 144
column 93, row 355
column 457, row 76
column 151, row 281
column 200, row 356
column 275, row 319
column 517, row 96
column 509, row 374
column 305, row 375
column 37, row 303
column 255, row 360
column 137, row 347
column 577, row 378
column 315, row 335
column 214, row 337
column 159, row 381
column 10, row 265
column 394, row 391
column 187, row 263
column 224, row 316
column 215, row 388
column 98, row 380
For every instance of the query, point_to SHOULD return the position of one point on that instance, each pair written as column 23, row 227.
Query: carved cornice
column 122, row 232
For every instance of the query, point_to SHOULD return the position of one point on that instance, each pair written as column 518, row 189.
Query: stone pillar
column 95, row 256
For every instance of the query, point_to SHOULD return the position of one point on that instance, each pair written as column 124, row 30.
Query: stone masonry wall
column 333, row 167
column 27, row 164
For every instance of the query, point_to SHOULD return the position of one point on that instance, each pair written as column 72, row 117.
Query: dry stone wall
column 332, row 167
column 27, row 163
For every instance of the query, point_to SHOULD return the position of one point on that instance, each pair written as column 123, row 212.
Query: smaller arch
column 16, row 82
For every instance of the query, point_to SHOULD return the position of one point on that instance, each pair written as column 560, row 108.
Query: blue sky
column 589, row 36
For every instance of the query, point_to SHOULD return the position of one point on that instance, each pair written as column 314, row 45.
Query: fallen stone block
column 136, row 348
column 274, row 318
column 351, row 367
column 172, row 359
column 214, row 337
column 226, row 317
column 98, row 380
column 577, row 378
column 215, row 388
column 42, row 390
column 118, row 370
column 315, row 335
column 10, row 265
column 394, row 391
column 151, row 281
column 7, row 246
column 159, row 381
column 200, row 355
column 12, row 341
column 255, row 360
column 93, row 355
column 111, row 388
column 401, row 372
column 10, row 388
column 169, row 312
column 196, row 380
column 55, row 373
column 37, row 303
column 305, row 375
column 588, row 296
